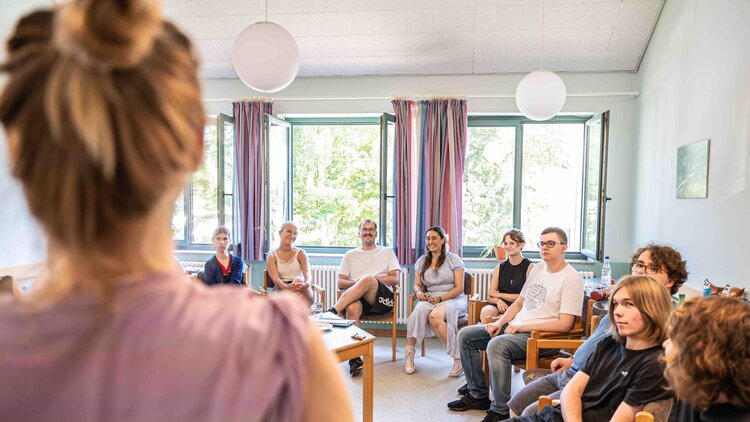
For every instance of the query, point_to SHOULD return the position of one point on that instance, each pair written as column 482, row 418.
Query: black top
column 723, row 412
column 618, row 375
column 512, row 277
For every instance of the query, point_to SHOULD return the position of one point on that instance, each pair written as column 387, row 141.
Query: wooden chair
column 268, row 284
column 534, row 360
column 386, row 318
column 468, row 291
column 643, row 416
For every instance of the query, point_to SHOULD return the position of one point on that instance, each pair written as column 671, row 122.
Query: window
column 336, row 179
column 208, row 197
column 532, row 175
column 341, row 172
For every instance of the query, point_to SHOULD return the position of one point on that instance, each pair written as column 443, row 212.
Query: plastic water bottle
column 606, row 273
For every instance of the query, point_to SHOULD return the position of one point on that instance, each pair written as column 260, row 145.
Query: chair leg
column 485, row 367
column 393, row 341
column 423, row 340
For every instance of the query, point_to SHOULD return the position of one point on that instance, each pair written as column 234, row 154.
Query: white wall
column 21, row 239
column 695, row 84
column 619, row 241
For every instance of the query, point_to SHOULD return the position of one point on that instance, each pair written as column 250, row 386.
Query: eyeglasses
column 549, row 244
column 365, row 230
column 648, row 269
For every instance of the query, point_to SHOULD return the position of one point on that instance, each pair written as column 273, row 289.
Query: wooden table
column 340, row 341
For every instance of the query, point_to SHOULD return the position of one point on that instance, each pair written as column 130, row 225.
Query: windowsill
column 576, row 261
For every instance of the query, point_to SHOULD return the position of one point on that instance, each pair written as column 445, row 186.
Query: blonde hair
column 288, row 223
column 104, row 115
column 712, row 340
column 653, row 302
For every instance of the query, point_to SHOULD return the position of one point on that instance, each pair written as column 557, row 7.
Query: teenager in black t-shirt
column 625, row 372
column 708, row 360
column 508, row 278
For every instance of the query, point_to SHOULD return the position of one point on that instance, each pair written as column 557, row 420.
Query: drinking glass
column 317, row 309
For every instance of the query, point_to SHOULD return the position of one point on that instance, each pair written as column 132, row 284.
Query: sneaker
column 409, row 367
column 464, row 389
column 468, row 402
column 457, row 370
column 355, row 366
column 493, row 416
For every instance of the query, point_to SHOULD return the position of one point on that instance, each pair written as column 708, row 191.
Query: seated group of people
column 615, row 372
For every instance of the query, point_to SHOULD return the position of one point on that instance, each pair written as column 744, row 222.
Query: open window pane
column 593, row 202
column 226, row 200
column 204, row 205
column 551, row 192
column 279, row 133
column 488, row 183
column 178, row 219
column 336, row 172
column 388, row 205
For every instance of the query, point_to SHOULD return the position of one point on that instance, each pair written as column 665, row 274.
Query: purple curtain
column 404, row 223
column 440, row 149
column 250, row 153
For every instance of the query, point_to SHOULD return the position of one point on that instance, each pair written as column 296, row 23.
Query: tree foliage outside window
column 196, row 212
column 336, row 170
column 488, row 183
column 552, row 178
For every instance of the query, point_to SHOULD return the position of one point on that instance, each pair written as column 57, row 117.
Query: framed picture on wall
column 692, row 170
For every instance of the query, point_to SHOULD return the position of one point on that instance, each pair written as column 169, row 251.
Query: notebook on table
column 335, row 320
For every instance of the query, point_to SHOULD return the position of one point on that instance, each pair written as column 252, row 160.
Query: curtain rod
column 631, row 94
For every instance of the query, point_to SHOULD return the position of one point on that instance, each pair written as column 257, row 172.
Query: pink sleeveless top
column 166, row 350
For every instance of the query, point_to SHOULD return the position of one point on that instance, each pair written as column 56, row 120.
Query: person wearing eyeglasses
column 367, row 276
column 550, row 300
column 660, row 262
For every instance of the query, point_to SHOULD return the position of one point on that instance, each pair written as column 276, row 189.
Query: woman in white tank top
column 288, row 266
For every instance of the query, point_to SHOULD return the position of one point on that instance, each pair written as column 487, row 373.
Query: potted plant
column 495, row 244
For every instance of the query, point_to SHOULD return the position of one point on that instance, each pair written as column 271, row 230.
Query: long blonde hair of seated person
column 102, row 108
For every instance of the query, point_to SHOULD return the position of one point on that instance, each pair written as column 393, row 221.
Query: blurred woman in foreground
column 103, row 115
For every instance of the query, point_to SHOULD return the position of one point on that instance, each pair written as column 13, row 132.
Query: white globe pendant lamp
column 265, row 56
column 541, row 94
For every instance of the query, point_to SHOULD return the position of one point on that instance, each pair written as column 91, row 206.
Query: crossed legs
column 367, row 288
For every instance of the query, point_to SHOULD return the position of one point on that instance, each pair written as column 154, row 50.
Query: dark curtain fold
column 250, row 162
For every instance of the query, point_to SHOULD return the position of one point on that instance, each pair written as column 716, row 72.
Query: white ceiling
column 423, row 37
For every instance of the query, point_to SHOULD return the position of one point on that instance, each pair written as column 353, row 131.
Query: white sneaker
column 457, row 370
column 409, row 367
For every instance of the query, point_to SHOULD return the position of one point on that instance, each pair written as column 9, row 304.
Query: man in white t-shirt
column 549, row 301
column 367, row 277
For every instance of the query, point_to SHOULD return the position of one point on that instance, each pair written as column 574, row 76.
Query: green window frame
column 595, row 214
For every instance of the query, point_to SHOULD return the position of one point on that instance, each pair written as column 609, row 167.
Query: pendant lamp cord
column 541, row 57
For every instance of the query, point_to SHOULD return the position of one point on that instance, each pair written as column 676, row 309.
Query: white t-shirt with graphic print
column 546, row 295
column 358, row 263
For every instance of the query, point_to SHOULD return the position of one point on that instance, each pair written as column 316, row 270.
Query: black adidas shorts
column 383, row 301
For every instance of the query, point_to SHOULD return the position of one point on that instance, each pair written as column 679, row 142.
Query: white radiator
column 482, row 278
column 326, row 276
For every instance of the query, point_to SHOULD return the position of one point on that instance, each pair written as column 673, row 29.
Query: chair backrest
column 468, row 284
column 267, row 283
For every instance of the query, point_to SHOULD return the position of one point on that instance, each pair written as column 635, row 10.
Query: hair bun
column 107, row 34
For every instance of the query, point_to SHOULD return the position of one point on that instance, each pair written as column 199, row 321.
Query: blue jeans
column 525, row 401
column 502, row 350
